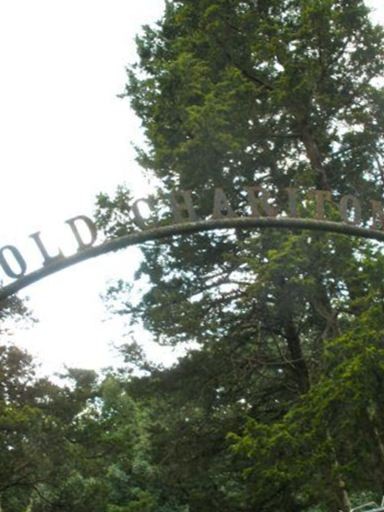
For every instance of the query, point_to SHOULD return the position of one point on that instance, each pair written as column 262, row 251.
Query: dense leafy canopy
column 277, row 403
column 282, row 389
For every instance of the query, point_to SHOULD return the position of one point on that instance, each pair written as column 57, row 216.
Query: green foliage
column 277, row 404
column 287, row 327
column 231, row 91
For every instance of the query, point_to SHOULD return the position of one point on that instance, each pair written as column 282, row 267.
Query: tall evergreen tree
column 284, row 94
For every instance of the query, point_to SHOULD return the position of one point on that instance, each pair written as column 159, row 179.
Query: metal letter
column 91, row 227
column 260, row 204
column 19, row 259
column 221, row 206
column 138, row 219
column 183, row 211
column 292, row 202
column 377, row 215
column 348, row 203
column 47, row 258
column 321, row 196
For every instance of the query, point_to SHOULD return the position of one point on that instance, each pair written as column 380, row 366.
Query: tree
column 38, row 447
column 279, row 93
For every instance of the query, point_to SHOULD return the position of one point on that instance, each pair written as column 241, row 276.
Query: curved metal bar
column 163, row 232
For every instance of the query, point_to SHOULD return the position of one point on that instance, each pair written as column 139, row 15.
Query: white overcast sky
column 64, row 137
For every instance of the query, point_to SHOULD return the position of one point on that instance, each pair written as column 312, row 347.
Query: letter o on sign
column 10, row 252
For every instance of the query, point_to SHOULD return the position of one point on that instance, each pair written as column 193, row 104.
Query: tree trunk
column 343, row 495
column 297, row 359
column 315, row 158
column 340, row 485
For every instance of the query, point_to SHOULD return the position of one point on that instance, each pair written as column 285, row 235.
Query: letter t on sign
column 321, row 197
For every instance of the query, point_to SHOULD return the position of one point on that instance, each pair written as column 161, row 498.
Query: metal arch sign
column 262, row 214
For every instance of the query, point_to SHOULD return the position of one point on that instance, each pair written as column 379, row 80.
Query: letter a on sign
column 221, row 205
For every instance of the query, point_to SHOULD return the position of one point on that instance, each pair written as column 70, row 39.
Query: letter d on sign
column 89, row 224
